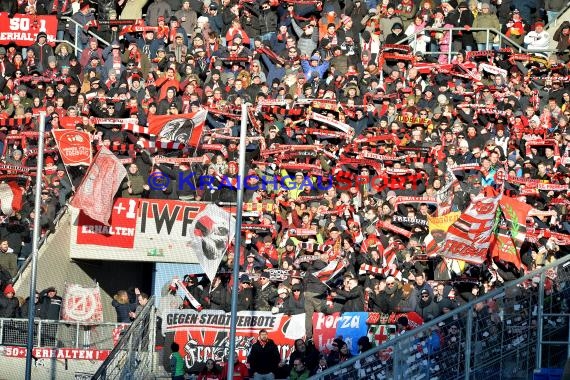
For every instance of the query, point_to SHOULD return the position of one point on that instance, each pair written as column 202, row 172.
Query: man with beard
column 391, row 297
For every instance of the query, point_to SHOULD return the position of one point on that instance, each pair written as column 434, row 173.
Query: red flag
column 10, row 198
column 74, row 146
column 95, row 195
column 185, row 129
column 503, row 248
column 515, row 213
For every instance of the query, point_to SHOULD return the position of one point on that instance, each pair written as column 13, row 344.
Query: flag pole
column 241, row 175
column 35, row 244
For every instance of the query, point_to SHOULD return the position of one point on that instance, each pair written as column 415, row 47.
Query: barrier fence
column 102, row 336
column 505, row 334
column 133, row 356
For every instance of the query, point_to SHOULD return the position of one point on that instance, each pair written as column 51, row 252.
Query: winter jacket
column 264, row 359
column 9, row 307
column 50, row 307
column 265, row 297
column 156, row 9
column 9, row 261
column 428, row 310
column 354, row 299
column 482, row 20
column 267, row 22
column 306, row 44
column 123, row 310
column 293, row 306
column 386, row 25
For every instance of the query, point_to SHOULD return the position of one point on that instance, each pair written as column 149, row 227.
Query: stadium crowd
column 405, row 130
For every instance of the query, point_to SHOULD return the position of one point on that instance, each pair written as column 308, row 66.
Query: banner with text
column 23, row 29
column 154, row 230
column 205, row 335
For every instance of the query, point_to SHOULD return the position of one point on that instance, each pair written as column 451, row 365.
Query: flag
column 211, row 232
column 102, row 180
column 510, row 232
column 469, row 237
column 502, row 245
column 515, row 213
column 74, row 146
column 333, row 268
column 11, row 198
column 81, row 304
column 444, row 196
column 438, row 226
column 186, row 128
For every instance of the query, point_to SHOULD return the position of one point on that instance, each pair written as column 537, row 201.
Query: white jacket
column 537, row 41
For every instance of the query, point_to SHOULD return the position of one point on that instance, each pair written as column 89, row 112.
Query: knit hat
column 9, row 289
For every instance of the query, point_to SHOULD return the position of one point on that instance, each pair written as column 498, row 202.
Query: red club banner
column 157, row 230
column 74, row 146
column 22, row 29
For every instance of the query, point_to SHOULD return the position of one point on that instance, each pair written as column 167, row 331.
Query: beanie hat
column 9, row 289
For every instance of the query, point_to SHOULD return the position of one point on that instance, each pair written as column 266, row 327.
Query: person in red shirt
column 240, row 370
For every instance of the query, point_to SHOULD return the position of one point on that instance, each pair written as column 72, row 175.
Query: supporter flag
column 11, row 198
column 102, row 180
column 211, row 232
column 502, row 246
column 74, row 146
column 81, row 304
column 438, row 226
column 468, row 239
column 510, row 233
column 333, row 269
column 186, row 129
column 444, row 196
column 515, row 213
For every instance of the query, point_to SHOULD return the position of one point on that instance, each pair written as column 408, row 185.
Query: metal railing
column 78, row 29
column 48, row 333
column 500, row 335
column 44, row 238
column 503, row 40
column 133, row 356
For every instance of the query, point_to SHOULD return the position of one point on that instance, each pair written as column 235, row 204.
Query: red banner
column 22, row 29
column 121, row 232
column 205, row 335
column 56, row 353
column 185, row 128
column 95, row 195
column 74, row 146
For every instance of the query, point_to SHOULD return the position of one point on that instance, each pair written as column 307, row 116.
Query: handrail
column 79, row 26
column 56, row 220
column 554, row 23
column 434, row 322
column 521, row 49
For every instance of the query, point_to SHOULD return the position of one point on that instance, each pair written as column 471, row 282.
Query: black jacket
column 353, row 300
column 50, row 307
column 264, row 359
column 9, row 307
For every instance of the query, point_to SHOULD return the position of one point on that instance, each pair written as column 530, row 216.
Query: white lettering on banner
column 16, row 36
column 349, row 321
column 326, row 321
column 57, row 353
column 76, row 151
column 108, row 230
